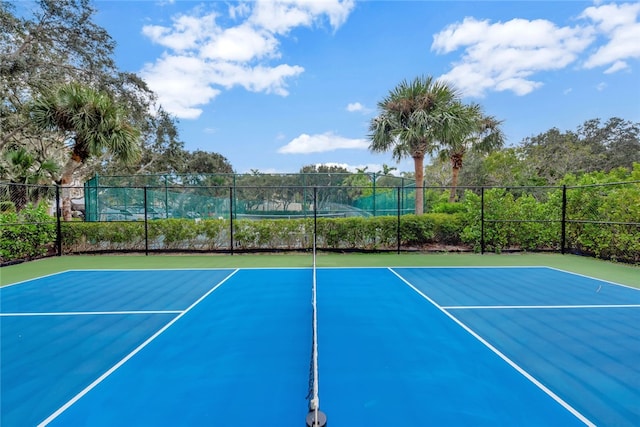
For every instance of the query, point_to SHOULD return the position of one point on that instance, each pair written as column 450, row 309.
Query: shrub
column 27, row 234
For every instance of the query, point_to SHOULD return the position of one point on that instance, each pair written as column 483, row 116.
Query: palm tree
column 410, row 122
column 26, row 175
column 467, row 129
column 386, row 169
column 91, row 123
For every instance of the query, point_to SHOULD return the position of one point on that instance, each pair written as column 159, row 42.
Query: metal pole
column 563, row 238
column 231, row 207
column 315, row 217
column 398, row 223
column 482, row 220
column 58, row 225
column 166, row 196
column 374, row 194
column 146, row 225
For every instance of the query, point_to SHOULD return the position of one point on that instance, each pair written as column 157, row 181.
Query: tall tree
column 52, row 42
column 467, row 129
column 553, row 154
column 90, row 122
column 57, row 43
column 617, row 142
column 410, row 123
column 24, row 173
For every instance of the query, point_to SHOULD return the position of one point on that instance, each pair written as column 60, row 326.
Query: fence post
column 398, row 222
column 374, row 194
column 482, row 220
column 231, row 208
column 563, row 238
column 315, row 216
column 146, row 225
column 58, row 225
column 166, row 196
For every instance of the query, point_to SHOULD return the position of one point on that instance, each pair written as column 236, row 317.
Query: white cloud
column 255, row 79
column 617, row 66
column 505, row 55
column 178, row 95
column 238, row 11
column 203, row 57
column 601, row 86
column 355, row 106
column 280, row 16
column 242, row 43
column 305, row 144
column 619, row 23
column 186, row 33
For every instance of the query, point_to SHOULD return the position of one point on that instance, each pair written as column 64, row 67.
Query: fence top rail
column 605, row 184
column 426, row 187
column 227, row 187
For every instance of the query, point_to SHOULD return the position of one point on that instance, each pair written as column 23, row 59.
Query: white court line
column 536, row 307
column 80, row 270
column 34, row 279
column 89, row 313
column 501, row 355
column 129, row 356
column 595, row 278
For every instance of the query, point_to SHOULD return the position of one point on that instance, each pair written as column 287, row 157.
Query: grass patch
column 614, row 272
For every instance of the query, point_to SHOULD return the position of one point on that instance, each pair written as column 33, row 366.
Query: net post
column 315, row 417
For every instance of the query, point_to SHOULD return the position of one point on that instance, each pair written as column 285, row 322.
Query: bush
column 27, row 234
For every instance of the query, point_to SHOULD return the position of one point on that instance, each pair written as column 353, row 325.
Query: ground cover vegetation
column 68, row 113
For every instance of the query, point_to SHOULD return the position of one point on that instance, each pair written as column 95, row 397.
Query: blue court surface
column 396, row 347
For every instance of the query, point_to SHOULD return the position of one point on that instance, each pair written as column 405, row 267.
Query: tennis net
column 315, row 417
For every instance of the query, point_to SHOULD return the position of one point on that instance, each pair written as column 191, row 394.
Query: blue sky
column 275, row 85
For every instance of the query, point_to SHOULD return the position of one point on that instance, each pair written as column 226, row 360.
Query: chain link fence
column 596, row 220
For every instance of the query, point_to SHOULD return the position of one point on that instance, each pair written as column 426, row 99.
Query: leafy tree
column 57, row 42
column 410, row 123
column 385, row 178
column 359, row 184
column 91, row 122
column 206, row 163
column 505, row 167
column 329, row 179
column 617, row 142
column 553, row 154
column 24, row 174
column 438, row 173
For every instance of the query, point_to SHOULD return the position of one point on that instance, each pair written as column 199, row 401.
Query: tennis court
column 405, row 346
